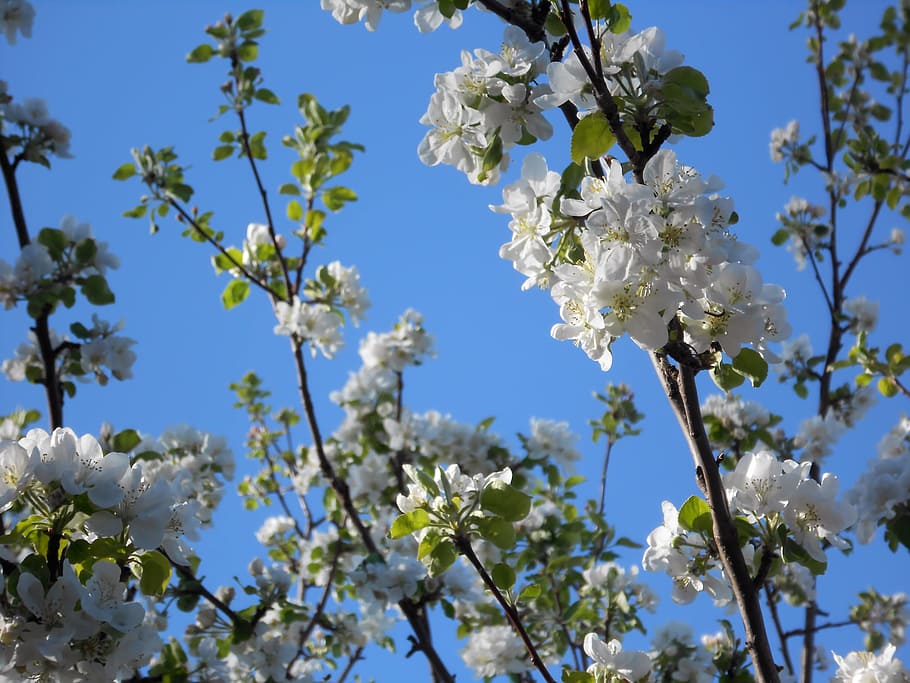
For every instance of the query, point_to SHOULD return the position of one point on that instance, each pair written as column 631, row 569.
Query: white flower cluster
column 645, row 254
column 485, row 107
column 612, row 663
column 886, row 484
column 383, row 356
column 676, row 657
column 782, row 139
column 801, row 220
column 462, row 487
column 318, row 320
column 77, row 253
column 74, row 631
column 195, row 463
column 16, row 16
column 762, row 486
column 552, row 441
column 427, row 18
column 128, row 501
column 618, row 52
column 496, row 651
column 870, row 667
column 27, row 128
column 102, row 352
column 686, row 558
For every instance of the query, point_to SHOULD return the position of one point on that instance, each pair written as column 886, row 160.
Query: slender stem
column 224, row 252
column 771, row 599
column 52, row 387
column 248, row 152
column 415, row 616
column 356, row 657
column 679, row 386
column 463, row 544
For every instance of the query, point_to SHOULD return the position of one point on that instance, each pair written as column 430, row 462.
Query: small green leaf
column 750, row 364
column 267, row 96
column 136, row 212
column 620, row 18
column 409, row 522
column 125, row 441
column 156, row 573
column 289, row 188
column 598, row 9
column 503, row 500
column 442, row 557
column 497, row 531
column 201, row 53
column 336, row 197
column 235, row 293
column 569, row 676
column 97, row 292
column 591, row 138
column 695, row 515
column 247, row 52
column 725, row 377
column 251, row 19
column 887, row 387
column 529, row 592
column 780, row 237
column 294, row 211
column 222, row 152
column 125, row 171
column 503, row 576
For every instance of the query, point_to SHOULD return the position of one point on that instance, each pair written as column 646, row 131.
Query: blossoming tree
column 398, row 520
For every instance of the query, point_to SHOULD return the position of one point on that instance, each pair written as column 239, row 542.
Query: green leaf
column 289, row 188
column 235, row 293
column 409, row 522
column 257, row 145
column 695, row 515
column 725, row 377
column 429, row 542
column 335, row 198
column 97, row 292
column 887, row 387
column 530, row 592
column 251, row 19
column 442, row 557
column 222, row 152
column 136, row 212
column 86, row 250
column 505, row 501
column 598, row 9
column 156, row 573
column 620, row 18
column 569, row 676
column 125, row 171
column 267, row 96
column 294, row 211
column 750, row 364
column 497, row 531
column 780, row 237
column 201, row 53
column 54, row 240
column 794, row 552
column 591, row 138
column 247, row 52
column 503, row 576
column 125, row 441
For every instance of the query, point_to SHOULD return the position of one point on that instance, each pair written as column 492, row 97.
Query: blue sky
column 421, row 237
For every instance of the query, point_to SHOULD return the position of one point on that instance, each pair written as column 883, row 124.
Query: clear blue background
column 423, row 238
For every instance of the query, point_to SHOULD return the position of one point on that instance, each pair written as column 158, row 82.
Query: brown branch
column 463, row 543
column 414, row 614
column 52, row 387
